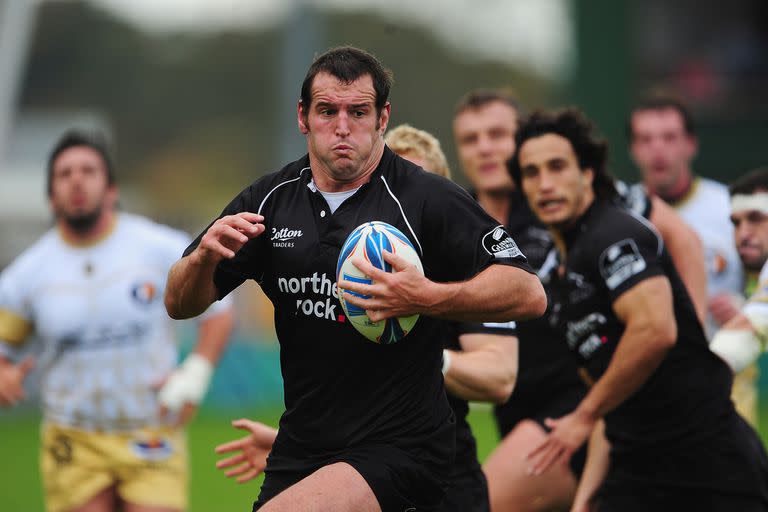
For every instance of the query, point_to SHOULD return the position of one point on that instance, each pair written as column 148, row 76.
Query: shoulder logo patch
column 499, row 244
column 621, row 261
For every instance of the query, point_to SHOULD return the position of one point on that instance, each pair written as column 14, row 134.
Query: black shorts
column 409, row 478
column 467, row 491
column 538, row 408
column 674, row 500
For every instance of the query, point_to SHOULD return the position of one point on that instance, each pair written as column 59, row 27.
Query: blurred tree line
column 194, row 114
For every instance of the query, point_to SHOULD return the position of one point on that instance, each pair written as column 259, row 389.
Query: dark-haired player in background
column 663, row 144
column 548, row 384
column 676, row 442
column 90, row 291
column 742, row 339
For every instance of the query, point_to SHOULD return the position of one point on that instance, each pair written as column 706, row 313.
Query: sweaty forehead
column 541, row 149
column 328, row 88
column 491, row 114
column 658, row 118
column 78, row 156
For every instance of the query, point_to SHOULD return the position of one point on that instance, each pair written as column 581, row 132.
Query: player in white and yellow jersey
column 663, row 145
column 743, row 338
column 90, row 292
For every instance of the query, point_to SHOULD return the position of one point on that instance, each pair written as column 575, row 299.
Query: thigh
column 336, row 487
column 511, row 488
column 152, row 470
column 74, row 470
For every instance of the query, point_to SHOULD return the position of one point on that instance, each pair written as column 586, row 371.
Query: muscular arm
column 499, row 293
column 650, row 332
column 485, row 369
column 595, row 469
column 190, row 289
column 686, row 251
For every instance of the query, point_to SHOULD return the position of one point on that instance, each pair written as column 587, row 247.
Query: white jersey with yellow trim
column 707, row 209
column 745, row 382
column 97, row 311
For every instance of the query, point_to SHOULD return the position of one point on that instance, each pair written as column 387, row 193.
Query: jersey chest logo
column 285, row 237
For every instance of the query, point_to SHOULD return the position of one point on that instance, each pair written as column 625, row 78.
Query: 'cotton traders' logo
column 314, row 285
column 282, row 237
column 499, row 244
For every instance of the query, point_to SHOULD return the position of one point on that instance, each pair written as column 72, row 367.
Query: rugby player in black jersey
column 366, row 426
column 547, row 383
column 479, row 363
column 676, row 442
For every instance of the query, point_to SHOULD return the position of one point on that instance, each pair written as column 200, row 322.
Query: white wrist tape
column 187, row 384
column 737, row 348
column 446, row 361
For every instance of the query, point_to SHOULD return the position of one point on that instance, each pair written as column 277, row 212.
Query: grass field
column 209, row 489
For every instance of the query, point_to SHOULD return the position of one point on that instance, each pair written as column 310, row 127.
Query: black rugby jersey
column 547, row 371
column 680, row 427
column 340, row 388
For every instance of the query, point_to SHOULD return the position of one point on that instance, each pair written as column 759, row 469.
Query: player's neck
column 496, row 204
column 678, row 190
column 98, row 232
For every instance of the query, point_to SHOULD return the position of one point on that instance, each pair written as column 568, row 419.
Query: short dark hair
column 663, row 100
column 74, row 138
column 572, row 124
column 753, row 181
column 478, row 98
column 348, row 63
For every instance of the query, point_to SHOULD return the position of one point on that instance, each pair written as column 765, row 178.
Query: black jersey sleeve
column 625, row 252
column 461, row 239
column 248, row 262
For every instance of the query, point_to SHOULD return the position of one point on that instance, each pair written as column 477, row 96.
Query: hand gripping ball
column 368, row 241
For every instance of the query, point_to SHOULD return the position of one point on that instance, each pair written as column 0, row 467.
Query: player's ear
column 384, row 117
column 588, row 175
column 301, row 114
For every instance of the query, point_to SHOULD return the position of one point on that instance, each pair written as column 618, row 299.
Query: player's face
column 557, row 189
column 661, row 147
column 344, row 131
column 80, row 189
column 485, row 140
column 751, row 235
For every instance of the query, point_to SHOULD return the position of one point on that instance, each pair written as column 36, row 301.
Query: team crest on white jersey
column 144, row 293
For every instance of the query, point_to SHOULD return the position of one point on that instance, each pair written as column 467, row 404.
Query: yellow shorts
column 147, row 466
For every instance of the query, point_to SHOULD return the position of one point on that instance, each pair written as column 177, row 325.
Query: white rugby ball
column 368, row 241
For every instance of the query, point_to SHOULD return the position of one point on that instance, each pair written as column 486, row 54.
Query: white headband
column 745, row 202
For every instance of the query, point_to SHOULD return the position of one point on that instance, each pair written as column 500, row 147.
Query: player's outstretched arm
column 500, row 293
column 485, row 369
column 190, row 289
column 12, row 380
column 595, row 470
column 250, row 452
column 686, row 250
column 650, row 332
column 186, row 387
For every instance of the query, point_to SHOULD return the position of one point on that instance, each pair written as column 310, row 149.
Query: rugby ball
column 368, row 242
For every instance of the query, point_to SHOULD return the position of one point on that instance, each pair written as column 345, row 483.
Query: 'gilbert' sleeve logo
column 500, row 245
column 621, row 261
